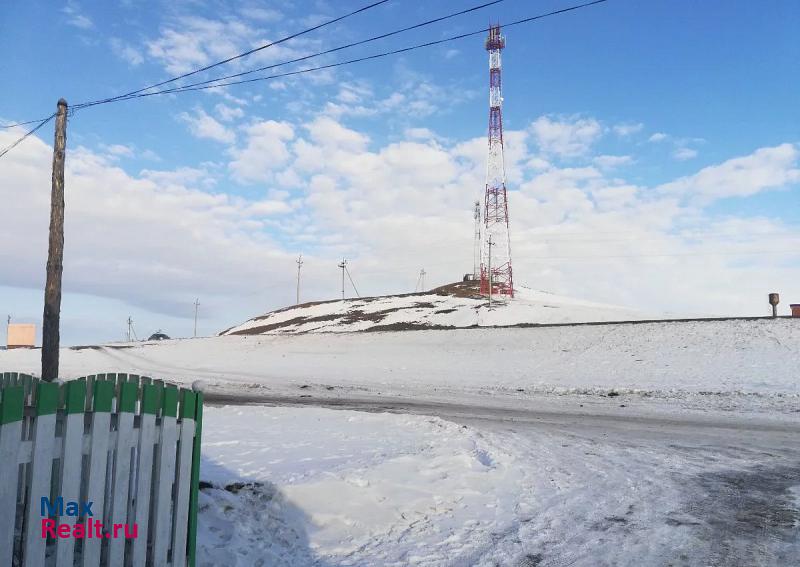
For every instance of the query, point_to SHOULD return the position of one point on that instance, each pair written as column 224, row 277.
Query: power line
column 347, row 46
column 241, row 55
column 203, row 85
column 20, row 140
column 14, row 125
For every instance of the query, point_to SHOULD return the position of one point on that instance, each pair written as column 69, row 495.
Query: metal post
column 196, row 305
column 342, row 266
column 51, row 318
column 490, row 271
column 299, row 263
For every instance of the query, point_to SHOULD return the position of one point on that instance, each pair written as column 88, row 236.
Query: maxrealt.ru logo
column 91, row 528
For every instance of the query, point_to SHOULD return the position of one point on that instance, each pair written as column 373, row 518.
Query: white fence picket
column 165, row 474
column 181, row 513
column 71, row 457
column 96, row 481
column 144, row 466
column 39, row 485
column 10, row 435
column 121, row 485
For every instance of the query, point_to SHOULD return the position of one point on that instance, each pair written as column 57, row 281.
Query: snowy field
column 620, row 444
column 744, row 365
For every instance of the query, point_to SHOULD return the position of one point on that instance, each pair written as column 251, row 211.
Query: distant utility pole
column 343, row 266
column 130, row 327
column 51, row 318
column 196, row 305
column 299, row 264
column 420, row 281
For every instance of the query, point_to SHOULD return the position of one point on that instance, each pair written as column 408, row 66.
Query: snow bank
column 304, row 486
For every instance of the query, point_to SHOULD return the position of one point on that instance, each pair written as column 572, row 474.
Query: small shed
column 21, row 335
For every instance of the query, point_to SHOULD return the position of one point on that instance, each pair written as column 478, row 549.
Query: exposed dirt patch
column 288, row 323
column 407, row 327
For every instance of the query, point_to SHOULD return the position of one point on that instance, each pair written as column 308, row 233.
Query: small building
column 795, row 307
column 21, row 335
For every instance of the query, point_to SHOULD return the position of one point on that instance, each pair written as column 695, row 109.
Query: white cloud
column 419, row 134
column 625, row 130
column 261, row 14
column 610, row 162
column 658, row 137
column 75, row 17
column 566, row 137
column 204, row 126
column 265, row 150
column 126, row 52
column 766, row 168
column 156, row 238
column 118, row 150
column 228, row 113
column 193, row 41
column 392, row 208
column 683, row 154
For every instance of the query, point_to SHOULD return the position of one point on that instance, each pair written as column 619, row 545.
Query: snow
column 725, row 364
column 432, row 310
column 332, row 487
column 694, row 462
column 361, row 488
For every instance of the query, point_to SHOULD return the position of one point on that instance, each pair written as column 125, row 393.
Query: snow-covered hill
column 452, row 306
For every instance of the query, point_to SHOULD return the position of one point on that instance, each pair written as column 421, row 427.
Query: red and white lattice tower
column 496, row 239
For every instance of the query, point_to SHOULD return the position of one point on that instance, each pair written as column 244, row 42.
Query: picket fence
column 128, row 444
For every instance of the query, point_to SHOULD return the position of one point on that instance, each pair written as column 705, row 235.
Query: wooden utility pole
column 51, row 318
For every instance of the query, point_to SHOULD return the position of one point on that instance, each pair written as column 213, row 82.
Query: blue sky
column 655, row 144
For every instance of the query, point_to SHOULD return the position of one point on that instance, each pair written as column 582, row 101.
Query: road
column 607, row 487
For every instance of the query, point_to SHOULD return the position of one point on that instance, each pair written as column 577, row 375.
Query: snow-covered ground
column 453, row 306
column 328, row 487
column 348, row 487
column 730, row 364
column 530, row 461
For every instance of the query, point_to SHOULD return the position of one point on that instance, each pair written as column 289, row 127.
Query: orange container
column 795, row 309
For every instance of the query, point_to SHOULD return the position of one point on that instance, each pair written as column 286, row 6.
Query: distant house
column 21, row 335
column 158, row 336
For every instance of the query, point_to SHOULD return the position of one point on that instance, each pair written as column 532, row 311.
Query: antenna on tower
column 497, row 277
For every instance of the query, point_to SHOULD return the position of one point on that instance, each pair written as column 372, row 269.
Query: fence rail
column 117, row 457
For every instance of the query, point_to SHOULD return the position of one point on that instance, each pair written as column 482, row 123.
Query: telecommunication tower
column 495, row 211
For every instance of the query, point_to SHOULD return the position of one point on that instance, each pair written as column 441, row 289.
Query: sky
column 652, row 155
